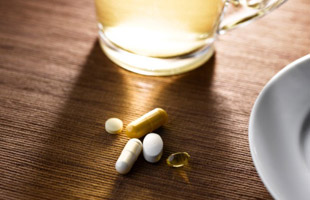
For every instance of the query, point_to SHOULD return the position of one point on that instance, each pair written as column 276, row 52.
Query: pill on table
column 152, row 147
column 178, row 159
column 147, row 123
column 128, row 156
column 114, row 125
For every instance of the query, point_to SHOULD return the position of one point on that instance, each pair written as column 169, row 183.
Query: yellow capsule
column 147, row 123
column 178, row 159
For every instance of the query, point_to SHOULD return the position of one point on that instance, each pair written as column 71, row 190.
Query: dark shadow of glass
column 79, row 155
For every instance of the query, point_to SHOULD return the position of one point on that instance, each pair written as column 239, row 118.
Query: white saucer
column 279, row 132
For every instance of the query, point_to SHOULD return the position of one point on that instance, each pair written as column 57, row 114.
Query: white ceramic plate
column 279, row 132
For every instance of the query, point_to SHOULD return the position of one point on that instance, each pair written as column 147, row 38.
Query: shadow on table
column 78, row 157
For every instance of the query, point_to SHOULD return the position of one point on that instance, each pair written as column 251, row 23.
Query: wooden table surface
column 57, row 89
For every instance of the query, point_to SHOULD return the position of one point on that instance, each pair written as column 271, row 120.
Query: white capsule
column 128, row 156
column 114, row 125
column 152, row 147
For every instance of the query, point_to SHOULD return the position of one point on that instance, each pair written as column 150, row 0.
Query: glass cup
column 167, row 37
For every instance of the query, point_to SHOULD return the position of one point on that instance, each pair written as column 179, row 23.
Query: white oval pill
column 152, row 147
column 128, row 156
column 114, row 125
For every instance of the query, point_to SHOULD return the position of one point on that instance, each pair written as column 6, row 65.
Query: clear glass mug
column 167, row 37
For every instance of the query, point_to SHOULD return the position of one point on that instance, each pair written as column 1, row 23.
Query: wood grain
column 57, row 89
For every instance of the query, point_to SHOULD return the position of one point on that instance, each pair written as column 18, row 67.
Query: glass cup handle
column 240, row 12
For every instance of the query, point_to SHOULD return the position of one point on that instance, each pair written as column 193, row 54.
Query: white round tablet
column 114, row 125
column 152, row 147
